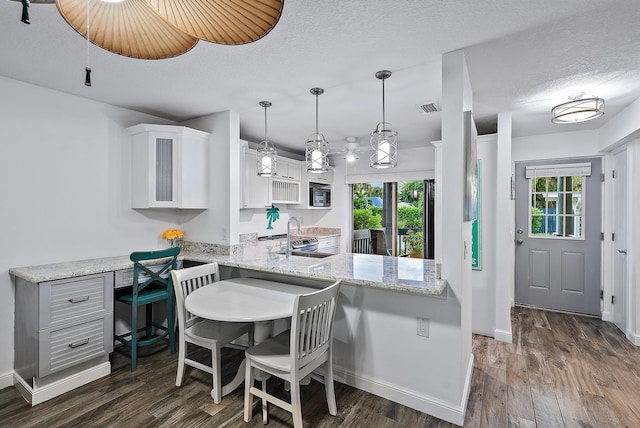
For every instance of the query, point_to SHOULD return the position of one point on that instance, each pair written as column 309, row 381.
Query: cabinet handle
column 79, row 299
column 79, row 343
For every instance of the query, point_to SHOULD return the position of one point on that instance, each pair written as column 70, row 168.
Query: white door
column 558, row 228
column 619, row 298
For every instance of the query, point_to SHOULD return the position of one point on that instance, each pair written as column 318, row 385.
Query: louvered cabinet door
column 64, row 347
column 75, row 321
column 169, row 167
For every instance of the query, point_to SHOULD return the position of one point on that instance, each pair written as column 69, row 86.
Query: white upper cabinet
column 169, row 167
column 255, row 189
column 289, row 169
column 323, row 177
column 261, row 192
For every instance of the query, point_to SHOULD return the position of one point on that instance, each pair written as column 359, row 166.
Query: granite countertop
column 407, row 275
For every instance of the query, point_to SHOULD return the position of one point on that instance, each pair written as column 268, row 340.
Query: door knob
column 622, row 251
column 519, row 241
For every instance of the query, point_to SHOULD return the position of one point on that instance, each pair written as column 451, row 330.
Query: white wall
column 484, row 280
column 219, row 224
column 504, row 233
column 65, row 187
column 456, row 232
column 556, row 146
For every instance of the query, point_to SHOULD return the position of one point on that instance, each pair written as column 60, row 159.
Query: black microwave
column 319, row 197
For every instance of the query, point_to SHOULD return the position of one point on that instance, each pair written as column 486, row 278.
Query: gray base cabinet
column 61, row 324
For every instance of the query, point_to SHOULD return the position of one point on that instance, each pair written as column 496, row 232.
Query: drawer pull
column 79, row 299
column 79, row 343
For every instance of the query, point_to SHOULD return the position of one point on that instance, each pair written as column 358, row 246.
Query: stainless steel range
column 302, row 244
column 305, row 244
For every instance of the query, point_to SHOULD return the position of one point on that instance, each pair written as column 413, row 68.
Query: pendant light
column 581, row 108
column 317, row 148
column 267, row 154
column 384, row 141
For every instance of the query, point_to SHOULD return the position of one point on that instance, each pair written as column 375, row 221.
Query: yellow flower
column 172, row 234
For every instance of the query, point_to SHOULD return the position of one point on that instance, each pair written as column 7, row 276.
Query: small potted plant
column 413, row 244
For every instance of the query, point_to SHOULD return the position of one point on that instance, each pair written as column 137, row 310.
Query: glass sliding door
column 389, row 218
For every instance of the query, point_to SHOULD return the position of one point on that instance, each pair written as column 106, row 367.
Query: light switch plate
column 423, row 327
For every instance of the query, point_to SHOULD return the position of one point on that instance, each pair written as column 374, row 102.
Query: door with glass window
column 558, row 227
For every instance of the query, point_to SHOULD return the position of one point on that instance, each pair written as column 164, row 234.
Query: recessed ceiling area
column 523, row 57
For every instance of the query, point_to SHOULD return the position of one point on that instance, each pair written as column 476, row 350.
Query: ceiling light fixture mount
column 266, row 153
column 384, row 140
column 317, row 147
column 581, row 108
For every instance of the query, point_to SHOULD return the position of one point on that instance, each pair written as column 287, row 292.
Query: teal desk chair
column 150, row 286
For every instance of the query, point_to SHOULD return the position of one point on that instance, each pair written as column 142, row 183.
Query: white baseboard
column 6, row 379
column 503, row 336
column 606, row 316
column 41, row 394
column 449, row 412
column 633, row 337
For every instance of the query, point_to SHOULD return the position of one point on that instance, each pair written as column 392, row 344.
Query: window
column 392, row 215
column 556, row 207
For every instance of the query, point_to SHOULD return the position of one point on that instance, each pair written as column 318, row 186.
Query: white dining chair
column 294, row 354
column 202, row 332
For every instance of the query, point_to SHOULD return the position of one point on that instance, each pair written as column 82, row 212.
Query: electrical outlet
column 423, row 327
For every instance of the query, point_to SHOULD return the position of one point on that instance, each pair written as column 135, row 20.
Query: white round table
column 245, row 300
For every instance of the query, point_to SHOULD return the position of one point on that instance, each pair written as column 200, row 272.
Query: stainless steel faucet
column 291, row 219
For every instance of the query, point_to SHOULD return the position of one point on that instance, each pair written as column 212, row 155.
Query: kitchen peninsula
column 393, row 327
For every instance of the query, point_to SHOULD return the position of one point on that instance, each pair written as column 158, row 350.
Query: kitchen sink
column 313, row 254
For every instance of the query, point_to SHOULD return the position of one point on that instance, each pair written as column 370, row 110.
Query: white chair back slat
column 312, row 324
column 186, row 282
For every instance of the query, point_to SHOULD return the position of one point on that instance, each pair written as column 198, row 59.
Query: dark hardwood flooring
column 561, row 371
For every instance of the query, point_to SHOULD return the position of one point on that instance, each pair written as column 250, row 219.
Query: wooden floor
column 561, row 371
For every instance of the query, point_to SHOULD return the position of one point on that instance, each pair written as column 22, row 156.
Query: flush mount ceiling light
column 267, row 154
column 582, row 108
column 317, row 148
column 384, row 141
column 158, row 29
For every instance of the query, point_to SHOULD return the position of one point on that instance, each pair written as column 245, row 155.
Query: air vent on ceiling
column 429, row 108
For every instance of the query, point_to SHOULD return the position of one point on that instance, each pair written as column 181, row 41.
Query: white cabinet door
column 323, row 177
column 255, row 193
column 261, row 192
column 169, row 167
column 289, row 169
column 329, row 244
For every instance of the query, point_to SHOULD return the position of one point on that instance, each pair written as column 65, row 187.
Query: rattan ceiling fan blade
column 130, row 28
column 227, row 22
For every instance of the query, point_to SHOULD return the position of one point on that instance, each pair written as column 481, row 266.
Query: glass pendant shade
column 267, row 160
column 384, row 140
column 578, row 110
column 384, row 145
column 317, row 147
column 267, row 155
column 317, row 150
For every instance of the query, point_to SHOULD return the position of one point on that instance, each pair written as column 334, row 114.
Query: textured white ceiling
column 523, row 56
